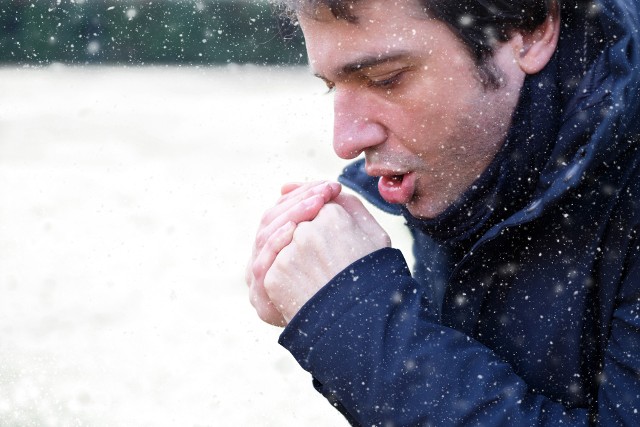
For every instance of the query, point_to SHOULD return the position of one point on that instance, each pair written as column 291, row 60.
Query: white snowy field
column 129, row 198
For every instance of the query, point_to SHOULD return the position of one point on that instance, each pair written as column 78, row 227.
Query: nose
column 355, row 127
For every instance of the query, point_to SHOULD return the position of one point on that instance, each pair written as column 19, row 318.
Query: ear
column 535, row 48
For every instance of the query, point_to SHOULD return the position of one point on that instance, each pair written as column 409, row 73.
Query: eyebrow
column 366, row 62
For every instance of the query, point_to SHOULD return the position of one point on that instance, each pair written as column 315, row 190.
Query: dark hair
column 479, row 24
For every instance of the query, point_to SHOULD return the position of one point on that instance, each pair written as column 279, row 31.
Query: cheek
column 432, row 117
column 437, row 98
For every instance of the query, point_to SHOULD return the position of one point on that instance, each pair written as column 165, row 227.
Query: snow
column 128, row 202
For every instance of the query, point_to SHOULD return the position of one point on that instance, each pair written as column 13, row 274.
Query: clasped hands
column 312, row 233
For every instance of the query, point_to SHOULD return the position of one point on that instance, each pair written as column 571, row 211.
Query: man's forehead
column 394, row 20
column 358, row 12
column 381, row 35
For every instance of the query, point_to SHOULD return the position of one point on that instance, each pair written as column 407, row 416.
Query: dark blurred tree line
column 146, row 31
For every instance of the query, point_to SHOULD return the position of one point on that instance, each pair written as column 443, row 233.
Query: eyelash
column 330, row 88
column 380, row 84
column 386, row 83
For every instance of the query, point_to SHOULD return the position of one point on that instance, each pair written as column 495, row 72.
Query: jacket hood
column 596, row 73
column 599, row 58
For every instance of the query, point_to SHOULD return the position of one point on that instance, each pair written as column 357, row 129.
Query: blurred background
column 140, row 142
column 135, row 32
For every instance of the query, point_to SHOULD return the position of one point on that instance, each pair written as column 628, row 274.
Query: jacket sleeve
column 379, row 355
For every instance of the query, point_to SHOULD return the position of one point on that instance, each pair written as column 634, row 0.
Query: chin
column 428, row 210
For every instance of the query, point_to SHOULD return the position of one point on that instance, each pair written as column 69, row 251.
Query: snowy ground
column 128, row 203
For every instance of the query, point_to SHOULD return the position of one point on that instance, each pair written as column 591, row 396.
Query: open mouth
column 397, row 188
column 396, row 180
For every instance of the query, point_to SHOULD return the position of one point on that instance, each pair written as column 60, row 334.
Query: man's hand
column 299, row 203
column 342, row 232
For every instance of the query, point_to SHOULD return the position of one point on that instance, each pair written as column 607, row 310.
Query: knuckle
column 253, row 298
column 257, row 271
column 312, row 190
column 265, row 313
column 272, row 277
column 265, row 219
column 256, row 301
column 333, row 214
column 262, row 237
column 302, row 235
column 264, row 309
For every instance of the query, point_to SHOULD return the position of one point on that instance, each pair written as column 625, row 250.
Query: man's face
column 407, row 95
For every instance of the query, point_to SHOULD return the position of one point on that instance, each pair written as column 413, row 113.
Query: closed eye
column 388, row 82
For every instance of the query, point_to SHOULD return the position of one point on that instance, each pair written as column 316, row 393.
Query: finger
column 328, row 191
column 287, row 295
column 290, row 186
column 259, row 268
column 286, row 202
column 304, row 210
column 265, row 308
column 272, row 247
column 297, row 191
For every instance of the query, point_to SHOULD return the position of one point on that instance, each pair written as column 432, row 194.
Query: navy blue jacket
column 538, row 321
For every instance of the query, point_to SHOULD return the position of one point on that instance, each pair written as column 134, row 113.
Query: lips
column 397, row 188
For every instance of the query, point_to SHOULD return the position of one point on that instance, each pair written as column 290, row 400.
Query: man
column 506, row 133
